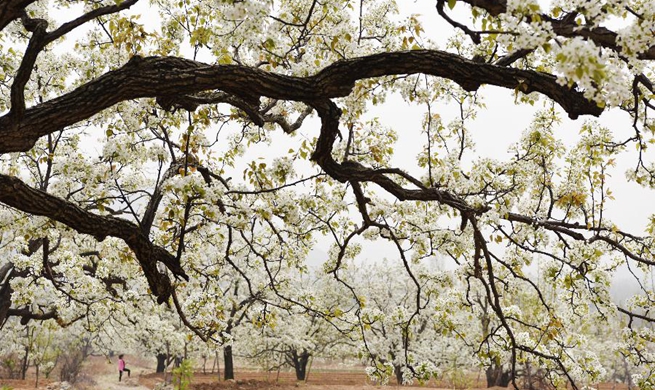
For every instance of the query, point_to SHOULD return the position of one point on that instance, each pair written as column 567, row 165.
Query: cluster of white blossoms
column 579, row 63
column 638, row 36
column 537, row 33
column 645, row 382
column 523, row 6
column 380, row 375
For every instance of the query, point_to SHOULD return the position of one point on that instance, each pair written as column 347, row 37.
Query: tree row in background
column 379, row 333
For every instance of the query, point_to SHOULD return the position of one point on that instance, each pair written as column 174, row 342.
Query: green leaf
column 546, row 47
column 451, row 3
column 557, row 11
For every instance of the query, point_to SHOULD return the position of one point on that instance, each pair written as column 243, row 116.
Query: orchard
column 424, row 187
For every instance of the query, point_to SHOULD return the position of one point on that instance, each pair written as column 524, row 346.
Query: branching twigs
column 39, row 40
column 389, row 180
column 187, row 323
column 571, row 230
column 475, row 36
column 156, row 197
column 257, row 116
column 632, row 316
column 566, row 27
column 275, row 189
column 493, row 296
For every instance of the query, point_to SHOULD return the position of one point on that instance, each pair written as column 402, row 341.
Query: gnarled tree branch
column 167, row 77
column 17, row 194
column 11, row 10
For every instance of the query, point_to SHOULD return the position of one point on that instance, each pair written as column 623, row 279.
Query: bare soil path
column 99, row 373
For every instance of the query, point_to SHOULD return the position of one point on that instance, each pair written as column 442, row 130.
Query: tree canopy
column 191, row 154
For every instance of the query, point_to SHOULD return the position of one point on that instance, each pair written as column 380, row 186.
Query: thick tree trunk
column 161, row 362
column 398, row 372
column 229, row 362
column 300, row 364
column 496, row 376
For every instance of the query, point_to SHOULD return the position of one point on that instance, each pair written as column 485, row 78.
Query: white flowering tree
column 318, row 325
column 400, row 337
column 129, row 138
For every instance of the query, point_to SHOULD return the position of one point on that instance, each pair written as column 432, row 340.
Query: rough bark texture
column 168, row 77
column 5, row 291
column 15, row 193
column 161, row 362
column 398, row 373
column 11, row 10
column 494, row 7
column 228, row 373
column 299, row 362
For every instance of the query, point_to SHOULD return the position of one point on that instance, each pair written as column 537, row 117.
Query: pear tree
column 131, row 136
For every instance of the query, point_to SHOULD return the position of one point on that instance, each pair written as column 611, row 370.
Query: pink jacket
column 121, row 364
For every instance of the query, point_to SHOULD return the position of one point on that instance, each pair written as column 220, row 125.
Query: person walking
column 121, row 368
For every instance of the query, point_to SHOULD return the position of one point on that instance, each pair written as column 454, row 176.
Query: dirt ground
column 324, row 380
column 99, row 373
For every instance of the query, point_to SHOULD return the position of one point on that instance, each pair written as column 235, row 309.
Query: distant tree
column 407, row 330
column 128, row 141
column 236, row 314
column 280, row 334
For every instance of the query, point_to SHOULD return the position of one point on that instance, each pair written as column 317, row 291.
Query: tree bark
column 161, row 362
column 497, row 376
column 12, row 9
column 398, row 372
column 228, row 363
column 5, row 291
column 299, row 362
column 15, row 193
column 172, row 79
column 567, row 27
